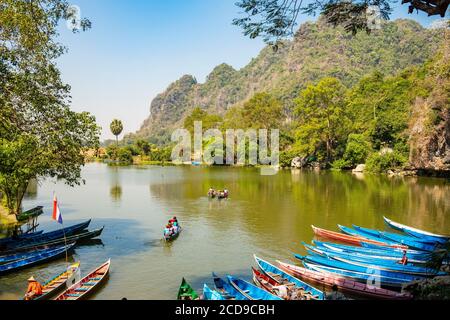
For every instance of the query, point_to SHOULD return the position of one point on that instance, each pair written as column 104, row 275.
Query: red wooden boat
column 87, row 285
column 263, row 281
column 354, row 240
column 344, row 285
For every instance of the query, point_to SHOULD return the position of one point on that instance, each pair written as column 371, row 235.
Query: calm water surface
column 266, row 215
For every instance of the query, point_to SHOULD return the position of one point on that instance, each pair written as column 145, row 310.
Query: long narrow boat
column 378, row 233
column 417, row 232
column 36, row 259
column 412, row 270
column 390, row 238
column 251, row 291
column 57, row 283
column 227, row 291
column 172, row 237
column 344, row 265
column 372, row 254
column 263, row 281
column 209, row 294
column 20, row 237
column 186, row 292
column 306, row 291
column 345, row 285
column 357, row 241
column 45, row 237
column 363, row 277
column 32, row 245
column 374, row 262
column 86, row 286
column 24, row 255
column 367, row 237
column 32, row 213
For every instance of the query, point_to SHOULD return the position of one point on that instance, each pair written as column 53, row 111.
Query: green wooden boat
column 186, row 292
column 33, row 213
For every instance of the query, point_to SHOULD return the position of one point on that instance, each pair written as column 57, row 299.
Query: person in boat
column 175, row 221
column 335, row 294
column 404, row 260
column 211, row 192
column 34, row 289
column 225, row 193
column 282, row 291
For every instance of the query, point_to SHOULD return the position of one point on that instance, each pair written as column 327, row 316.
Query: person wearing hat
column 34, row 289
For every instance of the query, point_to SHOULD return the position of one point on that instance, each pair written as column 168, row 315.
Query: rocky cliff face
column 316, row 51
column 430, row 119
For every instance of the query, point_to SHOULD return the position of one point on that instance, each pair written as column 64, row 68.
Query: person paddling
column 34, row 289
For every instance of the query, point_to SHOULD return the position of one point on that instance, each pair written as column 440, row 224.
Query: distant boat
column 86, row 286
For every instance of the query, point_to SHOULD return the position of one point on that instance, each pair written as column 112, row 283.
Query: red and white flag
column 57, row 216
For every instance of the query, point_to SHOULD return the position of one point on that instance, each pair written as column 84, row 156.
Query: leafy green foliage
column 209, row 121
column 382, row 162
column 322, row 121
column 116, row 127
column 357, row 149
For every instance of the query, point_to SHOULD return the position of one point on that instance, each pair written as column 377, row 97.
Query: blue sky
column 136, row 48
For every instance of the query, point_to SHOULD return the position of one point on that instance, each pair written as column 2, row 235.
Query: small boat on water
column 363, row 277
column 347, row 286
column 263, row 281
column 361, row 268
column 30, row 214
column 251, row 291
column 354, row 240
column 227, row 291
column 20, row 237
column 24, row 255
column 57, row 283
column 304, row 290
column 36, row 245
column 390, row 238
column 87, row 285
column 186, row 292
column 36, row 239
column 209, row 294
column 380, row 233
column 421, row 234
column 38, row 258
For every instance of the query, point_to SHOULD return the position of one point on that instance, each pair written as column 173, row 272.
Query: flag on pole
column 57, row 216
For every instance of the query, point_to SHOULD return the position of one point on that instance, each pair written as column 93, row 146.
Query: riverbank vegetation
column 40, row 136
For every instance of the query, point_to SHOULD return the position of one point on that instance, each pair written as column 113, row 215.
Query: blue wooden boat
column 378, row 233
column 20, row 237
column 37, row 245
column 379, row 262
column 45, row 237
column 350, row 266
column 389, row 267
column 24, row 255
column 282, row 277
column 209, row 294
column 421, row 234
column 356, row 233
column 373, row 253
column 358, row 276
column 410, row 243
column 251, row 291
column 227, row 291
column 36, row 259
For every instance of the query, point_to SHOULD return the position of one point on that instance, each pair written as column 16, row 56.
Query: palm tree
column 116, row 129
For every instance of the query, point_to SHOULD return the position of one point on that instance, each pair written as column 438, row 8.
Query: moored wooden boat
column 361, row 268
column 354, row 240
column 186, row 292
column 29, row 214
column 344, row 285
column 263, row 281
column 209, row 294
column 87, row 285
column 380, row 233
column 57, row 283
column 304, row 290
column 40, row 257
column 227, row 291
column 251, row 291
column 35, row 245
column 24, row 255
column 417, row 232
column 171, row 237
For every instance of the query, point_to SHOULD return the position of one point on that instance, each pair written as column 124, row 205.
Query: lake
column 266, row 215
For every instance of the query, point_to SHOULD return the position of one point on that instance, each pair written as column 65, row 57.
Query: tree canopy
column 274, row 20
column 39, row 135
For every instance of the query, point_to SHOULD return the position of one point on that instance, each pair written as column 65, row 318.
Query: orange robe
column 34, row 288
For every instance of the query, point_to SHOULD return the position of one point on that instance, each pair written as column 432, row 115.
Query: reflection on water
column 267, row 215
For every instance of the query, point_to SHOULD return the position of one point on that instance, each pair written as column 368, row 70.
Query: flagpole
column 56, row 206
